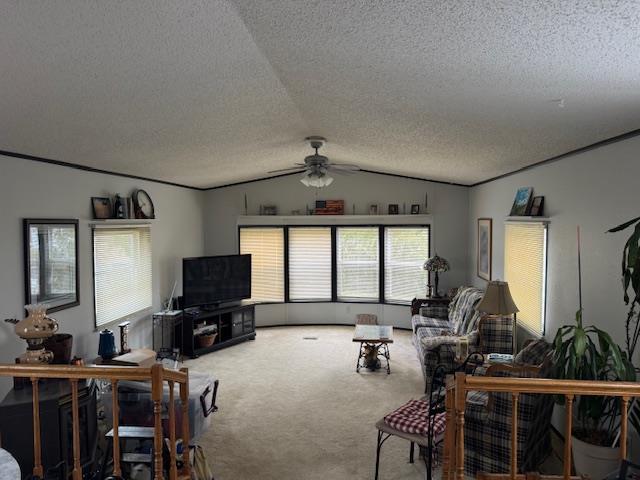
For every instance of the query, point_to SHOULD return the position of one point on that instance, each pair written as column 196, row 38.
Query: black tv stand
column 234, row 324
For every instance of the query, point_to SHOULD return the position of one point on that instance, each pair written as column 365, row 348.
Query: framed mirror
column 51, row 263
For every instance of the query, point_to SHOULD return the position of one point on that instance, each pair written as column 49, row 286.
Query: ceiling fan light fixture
column 316, row 179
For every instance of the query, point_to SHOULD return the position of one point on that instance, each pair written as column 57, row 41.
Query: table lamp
column 436, row 264
column 497, row 301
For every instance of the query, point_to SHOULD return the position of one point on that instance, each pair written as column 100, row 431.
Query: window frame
column 334, row 279
column 285, row 236
column 134, row 315
column 545, row 279
column 287, row 257
column 383, row 259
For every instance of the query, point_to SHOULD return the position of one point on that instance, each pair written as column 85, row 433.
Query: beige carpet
column 292, row 408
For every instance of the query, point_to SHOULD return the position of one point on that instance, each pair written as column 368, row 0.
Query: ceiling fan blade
column 344, row 167
column 290, row 169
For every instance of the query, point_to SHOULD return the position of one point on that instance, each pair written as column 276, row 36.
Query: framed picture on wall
column 522, row 202
column 485, row 239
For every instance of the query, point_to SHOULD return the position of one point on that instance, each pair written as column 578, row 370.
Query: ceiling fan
column 316, row 166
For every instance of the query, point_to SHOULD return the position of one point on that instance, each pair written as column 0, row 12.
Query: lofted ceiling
column 207, row 93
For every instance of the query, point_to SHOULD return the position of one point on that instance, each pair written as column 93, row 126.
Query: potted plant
column 589, row 353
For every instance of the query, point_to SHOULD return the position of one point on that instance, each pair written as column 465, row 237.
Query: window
column 358, row 263
column 266, row 246
column 405, row 250
column 122, row 272
column 525, row 266
column 310, row 263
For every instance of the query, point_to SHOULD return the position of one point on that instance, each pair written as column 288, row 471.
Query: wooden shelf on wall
column 121, row 221
column 334, row 219
column 526, row 218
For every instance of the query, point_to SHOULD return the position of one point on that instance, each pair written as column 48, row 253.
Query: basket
column 206, row 339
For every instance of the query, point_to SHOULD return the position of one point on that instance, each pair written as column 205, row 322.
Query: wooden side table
column 417, row 303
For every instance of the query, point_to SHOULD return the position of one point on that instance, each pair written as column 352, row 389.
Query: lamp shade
column 436, row 264
column 497, row 300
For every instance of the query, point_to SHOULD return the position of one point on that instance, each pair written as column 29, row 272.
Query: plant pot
column 593, row 460
column 206, row 340
column 61, row 345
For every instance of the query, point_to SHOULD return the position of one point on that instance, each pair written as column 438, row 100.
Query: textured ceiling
column 214, row 92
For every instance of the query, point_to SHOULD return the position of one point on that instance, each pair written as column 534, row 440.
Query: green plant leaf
column 580, row 341
column 623, row 225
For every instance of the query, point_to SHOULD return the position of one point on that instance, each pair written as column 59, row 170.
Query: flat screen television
column 214, row 280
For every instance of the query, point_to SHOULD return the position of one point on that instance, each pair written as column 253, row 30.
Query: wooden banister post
column 117, row 472
column 75, row 414
column 173, row 469
column 156, row 395
column 514, row 435
column 461, row 398
column 624, row 420
column 37, row 449
column 184, row 403
column 566, row 471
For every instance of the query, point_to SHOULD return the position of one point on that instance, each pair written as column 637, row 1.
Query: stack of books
column 329, row 207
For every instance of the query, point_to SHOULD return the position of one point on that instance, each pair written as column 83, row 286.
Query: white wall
column 448, row 213
column 39, row 190
column 596, row 190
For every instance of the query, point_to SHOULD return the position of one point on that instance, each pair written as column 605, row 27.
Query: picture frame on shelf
column 373, row 209
column 269, row 210
column 415, row 209
column 101, row 208
column 393, row 209
column 485, row 248
column 537, row 207
column 522, row 202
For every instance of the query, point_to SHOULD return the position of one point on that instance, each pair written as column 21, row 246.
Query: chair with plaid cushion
column 420, row 422
column 487, row 419
column 435, row 338
column 423, row 421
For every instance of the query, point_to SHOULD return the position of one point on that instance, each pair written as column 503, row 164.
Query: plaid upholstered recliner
column 435, row 332
column 487, row 418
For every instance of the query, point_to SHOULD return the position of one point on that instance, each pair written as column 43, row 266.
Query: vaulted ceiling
column 211, row 92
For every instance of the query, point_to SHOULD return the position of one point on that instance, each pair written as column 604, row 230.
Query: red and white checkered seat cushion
column 412, row 418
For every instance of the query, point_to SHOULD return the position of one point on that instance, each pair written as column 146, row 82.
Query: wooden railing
column 457, row 389
column 156, row 374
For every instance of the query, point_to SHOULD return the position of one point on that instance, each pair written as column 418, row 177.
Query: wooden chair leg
column 411, row 447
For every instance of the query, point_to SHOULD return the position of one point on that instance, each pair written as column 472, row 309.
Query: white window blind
column 309, row 263
column 405, row 251
column 266, row 246
column 525, row 266
column 358, row 263
column 122, row 272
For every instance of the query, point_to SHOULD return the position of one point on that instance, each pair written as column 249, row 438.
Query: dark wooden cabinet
column 234, row 324
column 16, row 426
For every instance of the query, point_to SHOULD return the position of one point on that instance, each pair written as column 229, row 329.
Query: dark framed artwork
column 485, row 240
column 415, row 209
column 101, row 208
column 51, row 263
column 537, row 207
column 522, row 202
column 393, row 209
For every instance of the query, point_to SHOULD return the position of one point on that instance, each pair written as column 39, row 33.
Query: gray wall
column 448, row 209
column 596, row 190
column 39, row 190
